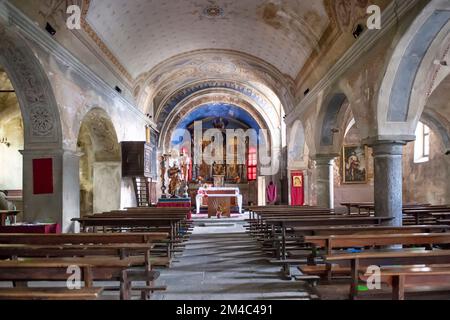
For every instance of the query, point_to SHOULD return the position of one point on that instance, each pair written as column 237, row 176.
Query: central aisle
column 222, row 262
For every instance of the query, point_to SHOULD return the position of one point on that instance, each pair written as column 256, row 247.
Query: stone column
column 388, row 180
column 325, row 180
column 61, row 205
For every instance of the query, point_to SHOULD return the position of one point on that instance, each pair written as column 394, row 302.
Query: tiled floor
column 221, row 262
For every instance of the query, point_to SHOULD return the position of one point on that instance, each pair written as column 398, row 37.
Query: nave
column 222, row 262
column 224, row 149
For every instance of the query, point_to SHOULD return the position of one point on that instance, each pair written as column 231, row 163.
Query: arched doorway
column 11, row 142
column 42, row 134
column 100, row 164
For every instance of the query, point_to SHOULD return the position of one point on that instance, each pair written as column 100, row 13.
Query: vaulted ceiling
column 141, row 34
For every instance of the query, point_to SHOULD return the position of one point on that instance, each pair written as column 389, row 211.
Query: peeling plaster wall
column 353, row 192
column 76, row 96
column 107, row 177
column 427, row 182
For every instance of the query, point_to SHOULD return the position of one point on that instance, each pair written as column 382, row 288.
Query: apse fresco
column 222, row 117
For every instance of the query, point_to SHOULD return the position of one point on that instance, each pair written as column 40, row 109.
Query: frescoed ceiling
column 144, row 33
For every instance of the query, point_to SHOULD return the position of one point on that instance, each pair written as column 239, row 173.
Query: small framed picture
column 354, row 164
column 298, row 181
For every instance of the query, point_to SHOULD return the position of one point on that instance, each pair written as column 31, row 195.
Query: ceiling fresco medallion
column 213, row 11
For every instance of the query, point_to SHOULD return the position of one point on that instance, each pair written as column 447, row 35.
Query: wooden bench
column 418, row 278
column 330, row 243
column 120, row 245
column 92, row 269
column 121, row 224
column 385, row 258
column 320, row 235
column 50, row 294
column 425, row 214
column 276, row 230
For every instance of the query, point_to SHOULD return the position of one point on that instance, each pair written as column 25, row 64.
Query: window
column 252, row 165
column 422, row 144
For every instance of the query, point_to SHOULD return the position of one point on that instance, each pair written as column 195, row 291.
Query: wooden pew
column 122, row 244
column 331, row 231
column 360, row 261
column 41, row 270
column 255, row 210
column 120, row 224
column 314, row 237
column 256, row 223
column 92, row 269
column 401, row 278
column 280, row 226
column 58, row 294
column 426, row 214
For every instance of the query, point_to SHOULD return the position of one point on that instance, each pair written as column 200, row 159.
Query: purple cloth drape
column 271, row 193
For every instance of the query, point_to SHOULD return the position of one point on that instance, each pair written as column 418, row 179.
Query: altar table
column 205, row 193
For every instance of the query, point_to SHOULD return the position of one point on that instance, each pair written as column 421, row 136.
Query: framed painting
column 354, row 164
column 297, row 181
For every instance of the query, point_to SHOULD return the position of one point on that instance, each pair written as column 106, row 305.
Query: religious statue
column 233, row 171
column 218, row 169
column 163, row 160
column 175, row 180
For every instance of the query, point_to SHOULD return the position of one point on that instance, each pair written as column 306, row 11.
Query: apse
column 233, row 117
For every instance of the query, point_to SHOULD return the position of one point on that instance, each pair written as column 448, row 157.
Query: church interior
column 224, row 150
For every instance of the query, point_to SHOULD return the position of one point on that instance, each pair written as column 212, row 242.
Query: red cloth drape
column 43, row 176
column 36, row 229
column 297, row 189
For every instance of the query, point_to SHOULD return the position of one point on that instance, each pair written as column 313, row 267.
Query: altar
column 215, row 197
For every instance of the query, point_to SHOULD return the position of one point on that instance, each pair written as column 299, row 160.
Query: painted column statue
column 174, row 180
column 185, row 168
column 163, row 160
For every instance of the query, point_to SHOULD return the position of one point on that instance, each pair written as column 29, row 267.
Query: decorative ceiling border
column 99, row 42
column 390, row 17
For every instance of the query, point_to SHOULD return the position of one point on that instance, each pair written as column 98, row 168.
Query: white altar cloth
column 202, row 192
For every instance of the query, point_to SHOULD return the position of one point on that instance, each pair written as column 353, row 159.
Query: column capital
column 388, row 147
column 324, row 159
column 50, row 152
column 388, row 139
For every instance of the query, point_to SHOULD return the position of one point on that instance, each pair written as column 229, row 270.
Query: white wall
column 10, row 158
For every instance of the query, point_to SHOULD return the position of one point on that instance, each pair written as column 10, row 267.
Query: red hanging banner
column 297, row 188
column 43, row 176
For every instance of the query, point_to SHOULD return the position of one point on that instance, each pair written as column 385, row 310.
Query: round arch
column 412, row 72
column 263, row 120
column 333, row 117
column 100, row 164
column 42, row 125
column 297, row 141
